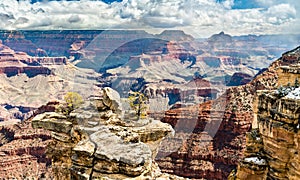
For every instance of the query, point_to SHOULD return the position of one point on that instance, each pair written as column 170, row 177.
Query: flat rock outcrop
column 94, row 142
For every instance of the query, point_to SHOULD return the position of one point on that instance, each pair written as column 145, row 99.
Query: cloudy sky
column 201, row 18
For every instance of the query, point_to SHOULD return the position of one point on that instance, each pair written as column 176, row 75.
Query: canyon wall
column 13, row 63
column 273, row 143
column 22, row 149
column 273, row 148
column 211, row 137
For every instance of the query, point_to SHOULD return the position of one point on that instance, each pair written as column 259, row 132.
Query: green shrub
column 138, row 102
column 72, row 100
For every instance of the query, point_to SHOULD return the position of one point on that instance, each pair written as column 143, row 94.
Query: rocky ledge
column 96, row 142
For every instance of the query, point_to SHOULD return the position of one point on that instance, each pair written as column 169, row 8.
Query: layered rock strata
column 94, row 142
column 210, row 138
column 22, row 152
column 275, row 153
column 14, row 63
column 22, row 149
column 273, row 144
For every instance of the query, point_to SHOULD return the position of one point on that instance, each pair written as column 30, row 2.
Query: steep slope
column 22, row 149
column 210, row 138
column 273, row 144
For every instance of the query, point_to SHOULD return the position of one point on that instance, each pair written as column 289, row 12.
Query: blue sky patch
column 242, row 4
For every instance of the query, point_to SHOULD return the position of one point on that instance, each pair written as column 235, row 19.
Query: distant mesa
column 123, row 54
column 220, row 37
column 175, row 35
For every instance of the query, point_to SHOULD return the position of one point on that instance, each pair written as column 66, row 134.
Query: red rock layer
column 30, row 71
column 22, row 150
column 12, row 63
column 24, row 155
column 210, row 138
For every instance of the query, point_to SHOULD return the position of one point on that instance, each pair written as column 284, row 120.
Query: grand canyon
column 223, row 107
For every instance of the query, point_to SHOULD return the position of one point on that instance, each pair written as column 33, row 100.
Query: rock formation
column 22, row 149
column 13, row 63
column 273, row 144
column 210, row 138
column 93, row 142
column 239, row 79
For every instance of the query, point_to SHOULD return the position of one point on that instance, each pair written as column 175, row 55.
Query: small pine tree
column 281, row 91
column 296, row 83
column 138, row 102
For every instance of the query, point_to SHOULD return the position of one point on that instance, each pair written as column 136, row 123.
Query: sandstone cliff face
column 94, row 142
column 273, row 144
column 208, row 141
column 210, row 138
column 273, row 152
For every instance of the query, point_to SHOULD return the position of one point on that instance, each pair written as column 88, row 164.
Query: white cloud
column 198, row 17
column 284, row 11
column 228, row 3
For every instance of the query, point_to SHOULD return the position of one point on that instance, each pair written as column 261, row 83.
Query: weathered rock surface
column 272, row 145
column 94, row 143
column 23, row 148
column 275, row 153
column 111, row 98
column 211, row 138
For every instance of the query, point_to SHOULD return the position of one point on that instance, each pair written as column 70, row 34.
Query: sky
column 200, row 18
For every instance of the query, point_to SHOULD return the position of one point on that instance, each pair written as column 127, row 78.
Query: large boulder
column 111, row 99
